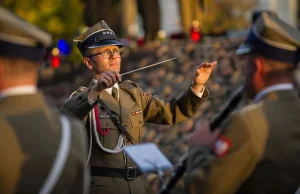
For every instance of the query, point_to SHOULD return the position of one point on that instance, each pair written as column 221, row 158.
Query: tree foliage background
column 61, row 18
column 65, row 18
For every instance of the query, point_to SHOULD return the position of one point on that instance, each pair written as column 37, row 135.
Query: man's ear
column 2, row 72
column 88, row 63
column 259, row 64
column 1, row 67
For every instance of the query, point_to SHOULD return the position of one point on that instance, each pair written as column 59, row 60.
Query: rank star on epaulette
column 136, row 112
column 81, row 89
column 222, row 146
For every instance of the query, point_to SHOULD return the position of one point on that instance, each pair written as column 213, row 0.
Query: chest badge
column 222, row 146
column 136, row 112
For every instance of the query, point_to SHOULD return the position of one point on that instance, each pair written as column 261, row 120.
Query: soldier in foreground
column 258, row 151
column 41, row 151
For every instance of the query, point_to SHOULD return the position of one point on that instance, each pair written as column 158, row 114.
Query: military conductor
column 41, row 151
column 258, row 150
column 115, row 113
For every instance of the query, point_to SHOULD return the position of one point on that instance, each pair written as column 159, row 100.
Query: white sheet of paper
column 148, row 157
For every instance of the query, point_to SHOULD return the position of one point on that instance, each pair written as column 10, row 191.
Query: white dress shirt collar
column 277, row 87
column 109, row 90
column 19, row 90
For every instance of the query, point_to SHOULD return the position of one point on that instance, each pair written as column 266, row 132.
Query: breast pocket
column 137, row 122
column 111, row 133
column 107, row 123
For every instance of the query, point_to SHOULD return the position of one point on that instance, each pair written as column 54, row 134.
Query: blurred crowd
column 166, row 80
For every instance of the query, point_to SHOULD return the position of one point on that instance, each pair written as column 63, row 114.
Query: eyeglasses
column 106, row 54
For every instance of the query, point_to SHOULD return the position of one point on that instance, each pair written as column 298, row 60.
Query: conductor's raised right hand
column 106, row 80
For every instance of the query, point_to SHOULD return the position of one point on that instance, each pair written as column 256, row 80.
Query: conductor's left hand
column 202, row 74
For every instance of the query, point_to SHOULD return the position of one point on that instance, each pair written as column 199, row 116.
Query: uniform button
column 125, row 126
column 140, row 122
column 106, row 124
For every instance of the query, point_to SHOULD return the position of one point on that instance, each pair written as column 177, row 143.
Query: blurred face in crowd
column 107, row 58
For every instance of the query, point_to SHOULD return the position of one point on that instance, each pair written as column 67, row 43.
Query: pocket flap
column 107, row 123
column 137, row 120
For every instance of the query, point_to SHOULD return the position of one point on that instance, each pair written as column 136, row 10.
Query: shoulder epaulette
column 128, row 84
column 79, row 90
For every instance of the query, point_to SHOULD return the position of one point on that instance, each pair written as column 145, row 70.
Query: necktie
column 115, row 93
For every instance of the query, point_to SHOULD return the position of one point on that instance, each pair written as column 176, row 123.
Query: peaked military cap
column 98, row 35
column 21, row 39
column 257, row 13
column 273, row 38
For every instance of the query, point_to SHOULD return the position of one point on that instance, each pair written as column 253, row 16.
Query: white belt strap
column 61, row 157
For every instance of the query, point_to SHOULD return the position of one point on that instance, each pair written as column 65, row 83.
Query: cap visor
column 106, row 43
column 243, row 49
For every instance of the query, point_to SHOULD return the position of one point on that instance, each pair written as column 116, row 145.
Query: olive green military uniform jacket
column 30, row 136
column 264, row 152
column 134, row 108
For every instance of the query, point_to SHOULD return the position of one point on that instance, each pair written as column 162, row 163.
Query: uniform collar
column 273, row 88
column 19, row 90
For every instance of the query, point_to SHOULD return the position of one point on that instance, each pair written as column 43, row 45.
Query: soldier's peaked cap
column 97, row 36
column 257, row 13
column 19, row 39
column 273, row 38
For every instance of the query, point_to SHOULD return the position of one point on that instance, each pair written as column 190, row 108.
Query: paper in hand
column 148, row 157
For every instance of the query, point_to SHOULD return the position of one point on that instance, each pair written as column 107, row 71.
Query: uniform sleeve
column 199, row 94
column 78, row 105
column 170, row 111
column 224, row 174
